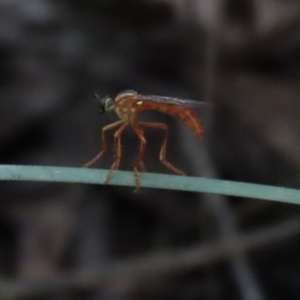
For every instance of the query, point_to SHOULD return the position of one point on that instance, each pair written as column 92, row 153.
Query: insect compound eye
column 106, row 103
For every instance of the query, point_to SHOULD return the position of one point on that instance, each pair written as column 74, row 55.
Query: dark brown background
column 61, row 241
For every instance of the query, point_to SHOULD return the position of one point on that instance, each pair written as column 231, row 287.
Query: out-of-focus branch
column 151, row 265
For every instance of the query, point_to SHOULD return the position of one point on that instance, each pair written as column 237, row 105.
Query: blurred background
column 63, row 241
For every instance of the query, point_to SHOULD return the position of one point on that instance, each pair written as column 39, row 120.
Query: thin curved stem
column 150, row 180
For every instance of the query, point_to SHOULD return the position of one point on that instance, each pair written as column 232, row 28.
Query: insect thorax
column 126, row 109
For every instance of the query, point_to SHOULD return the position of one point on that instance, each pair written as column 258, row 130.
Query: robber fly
column 128, row 105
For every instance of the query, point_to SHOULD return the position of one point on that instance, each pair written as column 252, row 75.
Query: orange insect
column 128, row 105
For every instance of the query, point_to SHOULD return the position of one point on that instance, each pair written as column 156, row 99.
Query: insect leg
column 103, row 148
column 142, row 166
column 163, row 150
column 139, row 160
column 118, row 152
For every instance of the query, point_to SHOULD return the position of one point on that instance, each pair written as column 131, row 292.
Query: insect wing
column 171, row 101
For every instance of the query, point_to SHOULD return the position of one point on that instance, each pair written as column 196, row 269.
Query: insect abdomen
column 186, row 115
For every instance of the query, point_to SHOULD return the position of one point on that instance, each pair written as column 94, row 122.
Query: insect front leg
column 118, row 152
column 163, row 150
column 103, row 146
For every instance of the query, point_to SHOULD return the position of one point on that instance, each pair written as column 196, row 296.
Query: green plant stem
column 150, row 180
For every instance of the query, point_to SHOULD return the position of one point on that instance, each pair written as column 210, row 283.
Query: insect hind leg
column 142, row 166
column 163, row 150
column 139, row 160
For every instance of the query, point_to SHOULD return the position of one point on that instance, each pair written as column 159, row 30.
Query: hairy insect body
column 186, row 115
column 127, row 106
